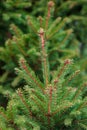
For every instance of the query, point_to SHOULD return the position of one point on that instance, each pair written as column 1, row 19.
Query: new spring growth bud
column 50, row 4
column 19, row 92
column 23, row 63
column 55, row 81
column 41, row 34
column 67, row 61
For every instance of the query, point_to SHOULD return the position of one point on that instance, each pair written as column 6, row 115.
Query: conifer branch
column 24, row 66
column 49, row 105
column 57, row 28
column 19, row 92
column 19, row 47
column 45, row 65
column 61, row 108
column 16, row 30
column 50, row 99
column 71, row 77
column 66, row 37
column 11, row 122
column 50, row 5
column 83, row 104
column 31, row 24
column 50, row 29
column 38, row 104
column 41, row 97
column 66, row 93
column 66, row 62
column 79, row 90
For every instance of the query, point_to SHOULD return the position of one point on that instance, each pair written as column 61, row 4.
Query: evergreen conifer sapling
column 50, row 104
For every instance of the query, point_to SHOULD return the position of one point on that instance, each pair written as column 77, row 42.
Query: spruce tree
column 50, row 101
column 26, row 44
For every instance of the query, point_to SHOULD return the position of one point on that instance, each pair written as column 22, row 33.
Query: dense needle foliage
column 48, row 91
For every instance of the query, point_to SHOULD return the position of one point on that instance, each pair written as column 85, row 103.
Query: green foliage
column 40, row 106
column 49, row 100
column 26, row 44
column 50, row 90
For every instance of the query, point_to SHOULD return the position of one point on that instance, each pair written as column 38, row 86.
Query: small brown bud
column 23, row 63
column 41, row 32
column 50, row 4
column 67, row 61
column 22, row 60
column 19, row 92
column 55, row 81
